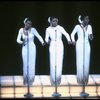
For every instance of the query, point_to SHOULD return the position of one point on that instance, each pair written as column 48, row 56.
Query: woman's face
column 86, row 20
column 28, row 24
column 54, row 22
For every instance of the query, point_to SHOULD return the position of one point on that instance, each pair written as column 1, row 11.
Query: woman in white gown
column 84, row 33
column 26, row 38
column 53, row 36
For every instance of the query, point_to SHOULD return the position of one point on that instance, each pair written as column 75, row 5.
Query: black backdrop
column 12, row 15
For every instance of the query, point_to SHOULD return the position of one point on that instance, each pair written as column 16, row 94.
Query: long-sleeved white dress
column 82, row 52
column 56, row 50
column 28, row 54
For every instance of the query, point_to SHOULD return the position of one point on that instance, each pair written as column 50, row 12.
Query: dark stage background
column 12, row 15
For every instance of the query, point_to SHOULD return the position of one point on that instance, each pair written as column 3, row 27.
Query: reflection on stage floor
column 12, row 87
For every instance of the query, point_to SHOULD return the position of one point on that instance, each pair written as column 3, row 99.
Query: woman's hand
column 43, row 44
column 69, row 42
column 91, row 37
column 74, row 43
column 24, row 42
column 48, row 42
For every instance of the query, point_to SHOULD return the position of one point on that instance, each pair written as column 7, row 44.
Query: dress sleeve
column 47, row 36
column 19, row 37
column 38, row 36
column 73, row 34
column 65, row 34
column 90, row 29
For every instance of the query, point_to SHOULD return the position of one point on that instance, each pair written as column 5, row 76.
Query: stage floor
column 12, row 87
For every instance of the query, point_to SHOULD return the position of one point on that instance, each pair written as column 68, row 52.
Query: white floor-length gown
column 56, row 51
column 82, row 52
column 28, row 54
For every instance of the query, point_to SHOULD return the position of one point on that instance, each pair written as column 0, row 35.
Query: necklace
column 25, row 32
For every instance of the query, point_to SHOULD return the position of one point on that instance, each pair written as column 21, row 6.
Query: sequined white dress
column 56, row 51
column 82, row 52
column 28, row 53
